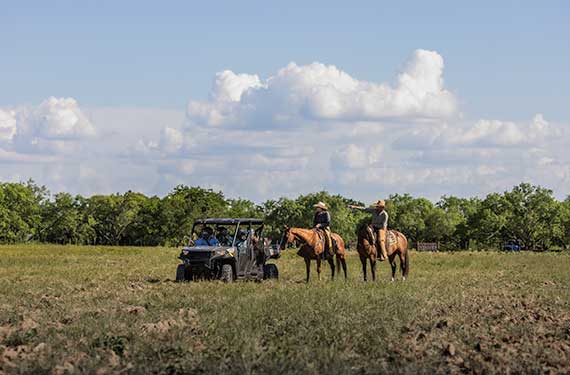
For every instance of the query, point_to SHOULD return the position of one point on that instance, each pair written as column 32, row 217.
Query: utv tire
column 180, row 273
column 227, row 273
column 183, row 273
column 270, row 272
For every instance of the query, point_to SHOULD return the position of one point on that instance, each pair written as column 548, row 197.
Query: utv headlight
column 220, row 252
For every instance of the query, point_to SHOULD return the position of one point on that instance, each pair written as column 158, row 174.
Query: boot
column 383, row 253
column 382, row 240
column 380, row 256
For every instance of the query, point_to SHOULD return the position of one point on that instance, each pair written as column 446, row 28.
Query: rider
column 322, row 221
column 379, row 224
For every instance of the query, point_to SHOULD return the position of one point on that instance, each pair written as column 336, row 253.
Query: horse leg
column 319, row 267
column 402, row 266
column 308, row 265
column 343, row 262
column 363, row 261
column 373, row 267
column 331, row 263
column 393, row 265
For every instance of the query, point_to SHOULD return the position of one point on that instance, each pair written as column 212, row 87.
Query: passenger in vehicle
column 240, row 240
column 207, row 238
column 224, row 236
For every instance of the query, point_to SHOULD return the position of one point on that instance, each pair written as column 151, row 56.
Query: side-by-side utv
column 227, row 249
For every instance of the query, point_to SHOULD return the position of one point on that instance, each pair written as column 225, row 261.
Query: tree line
column 527, row 214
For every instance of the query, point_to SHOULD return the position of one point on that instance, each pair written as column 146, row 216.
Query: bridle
column 284, row 238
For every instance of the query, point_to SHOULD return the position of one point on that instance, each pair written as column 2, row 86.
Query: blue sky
column 502, row 57
column 504, row 61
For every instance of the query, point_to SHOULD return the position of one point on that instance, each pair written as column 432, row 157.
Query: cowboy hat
column 321, row 205
column 380, row 203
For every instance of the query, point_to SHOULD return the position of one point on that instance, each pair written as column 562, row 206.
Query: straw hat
column 380, row 203
column 321, row 205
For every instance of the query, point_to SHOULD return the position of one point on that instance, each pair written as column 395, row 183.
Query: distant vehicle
column 513, row 245
column 227, row 249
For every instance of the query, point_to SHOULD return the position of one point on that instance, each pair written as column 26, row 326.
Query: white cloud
column 55, row 126
column 496, row 133
column 305, row 128
column 7, row 126
column 319, row 92
column 229, row 87
column 171, row 140
column 57, row 118
column 353, row 156
column 480, row 134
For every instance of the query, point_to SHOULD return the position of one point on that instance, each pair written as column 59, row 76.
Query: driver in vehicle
column 207, row 238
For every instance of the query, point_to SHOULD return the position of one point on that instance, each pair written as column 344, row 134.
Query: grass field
column 117, row 310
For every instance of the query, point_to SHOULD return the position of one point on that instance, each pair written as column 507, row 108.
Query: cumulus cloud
column 7, row 126
column 55, row 126
column 482, row 133
column 59, row 118
column 354, row 156
column 171, row 140
column 496, row 133
column 319, row 92
column 305, row 128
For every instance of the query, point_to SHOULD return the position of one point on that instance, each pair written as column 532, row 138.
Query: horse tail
column 406, row 257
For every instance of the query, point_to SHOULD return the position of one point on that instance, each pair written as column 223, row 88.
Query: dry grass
column 116, row 310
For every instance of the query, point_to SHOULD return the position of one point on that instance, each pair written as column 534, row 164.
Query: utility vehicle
column 228, row 249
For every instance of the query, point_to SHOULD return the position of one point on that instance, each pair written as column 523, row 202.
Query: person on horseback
column 322, row 222
column 379, row 225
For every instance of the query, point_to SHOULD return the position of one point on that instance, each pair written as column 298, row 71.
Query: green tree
column 111, row 216
column 564, row 220
column 461, row 212
column 60, row 220
column 183, row 206
column 533, row 215
column 409, row 215
column 299, row 212
column 20, row 211
column 243, row 208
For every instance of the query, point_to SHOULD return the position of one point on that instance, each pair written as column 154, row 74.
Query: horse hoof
column 403, row 278
column 393, row 279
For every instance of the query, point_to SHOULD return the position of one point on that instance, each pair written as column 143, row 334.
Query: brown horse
column 313, row 246
column 396, row 244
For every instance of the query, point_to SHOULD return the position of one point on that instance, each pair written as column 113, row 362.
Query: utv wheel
column 270, row 272
column 180, row 271
column 227, row 273
column 183, row 273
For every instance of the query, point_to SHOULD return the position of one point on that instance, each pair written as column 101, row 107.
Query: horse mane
column 300, row 233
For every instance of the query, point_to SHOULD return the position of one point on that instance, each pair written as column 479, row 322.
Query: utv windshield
column 223, row 234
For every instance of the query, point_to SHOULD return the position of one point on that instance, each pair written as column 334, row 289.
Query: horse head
column 286, row 238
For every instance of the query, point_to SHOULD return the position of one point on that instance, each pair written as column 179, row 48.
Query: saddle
column 390, row 236
column 322, row 238
column 371, row 233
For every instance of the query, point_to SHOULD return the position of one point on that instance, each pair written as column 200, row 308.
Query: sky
column 364, row 99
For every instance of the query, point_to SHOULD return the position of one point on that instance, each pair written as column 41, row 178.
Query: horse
column 396, row 244
column 313, row 246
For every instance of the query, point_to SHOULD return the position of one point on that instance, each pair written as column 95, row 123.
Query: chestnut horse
column 313, row 246
column 396, row 244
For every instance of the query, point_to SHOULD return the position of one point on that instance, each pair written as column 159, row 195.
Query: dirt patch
column 135, row 310
column 187, row 318
column 489, row 334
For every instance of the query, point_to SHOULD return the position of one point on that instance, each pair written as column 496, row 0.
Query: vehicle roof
column 228, row 221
